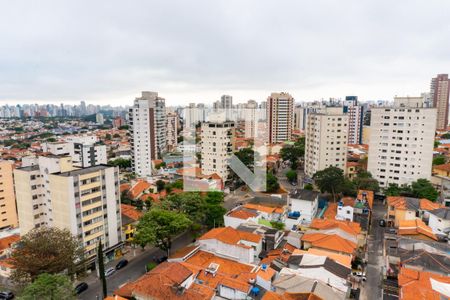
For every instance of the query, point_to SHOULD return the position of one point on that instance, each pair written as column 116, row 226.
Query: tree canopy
column 272, row 183
column 294, row 153
column 365, row 181
column 439, row 160
column 46, row 250
column 122, row 163
column 422, row 188
column 291, row 175
column 330, row 180
column 158, row 227
column 49, row 287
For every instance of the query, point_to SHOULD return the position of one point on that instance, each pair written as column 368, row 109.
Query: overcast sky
column 195, row 51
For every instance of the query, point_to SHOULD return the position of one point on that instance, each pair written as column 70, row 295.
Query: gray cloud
column 108, row 51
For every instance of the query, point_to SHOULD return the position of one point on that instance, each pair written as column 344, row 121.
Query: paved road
column 134, row 269
column 372, row 287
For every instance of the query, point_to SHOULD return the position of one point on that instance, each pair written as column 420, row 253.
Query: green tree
column 394, row 189
column 116, row 135
column 422, row 188
column 108, row 136
column 294, row 153
column 439, row 160
column 247, row 157
column 445, row 136
column 158, row 227
column 49, row 287
column 365, row 181
column 101, row 268
column 122, row 163
column 330, row 180
column 160, row 185
column 124, row 127
column 46, row 250
column 436, row 144
column 308, row 187
column 272, row 183
column 291, row 175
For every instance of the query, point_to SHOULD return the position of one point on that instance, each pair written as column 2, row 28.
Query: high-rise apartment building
column 250, row 114
column 8, row 212
column 326, row 140
column 217, row 145
column 299, row 117
column 172, row 130
column 440, row 90
column 51, row 192
column 148, row 131
column 280, row 114
column 401, row 144
column 355, row 119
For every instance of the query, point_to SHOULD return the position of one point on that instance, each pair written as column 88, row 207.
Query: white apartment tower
column 148, row 131
column 51, row 192
column 172, row 130
column 355, row 119
column 280, row 114
column 401, row 144
column 326, row 140
column 217, row 145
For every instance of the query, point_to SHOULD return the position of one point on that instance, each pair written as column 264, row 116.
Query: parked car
column 360, row 275
column 121, row 264
column 109, row 271
column 81, row 287
column 382, row 223
column 293, row 183
column 6, row 295
column 161, row 259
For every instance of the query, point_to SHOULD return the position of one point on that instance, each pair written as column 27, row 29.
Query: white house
column 234, row 218
column 302, row 207
column 439, row 220
column 344, row 212
column 231, row 243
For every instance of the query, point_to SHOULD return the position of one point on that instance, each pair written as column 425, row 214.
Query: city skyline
column 65, row 53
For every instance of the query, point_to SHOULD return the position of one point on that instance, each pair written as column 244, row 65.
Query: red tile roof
column 415, row 285
column 130, row 211
column 330, row 242
column 229, row 235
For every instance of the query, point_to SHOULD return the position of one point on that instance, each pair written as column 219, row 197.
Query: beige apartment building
column 51, row 192
column 280, row 117
column 440, row 90
column 8, row 211
column 217, row 145
column 326, row 140
column 172, row 120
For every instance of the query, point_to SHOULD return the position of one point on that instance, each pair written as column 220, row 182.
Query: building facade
column 326, row 140
column 8, row 211
column 401, row 144
column 86, row 201
column 280, row 117
column 440, row 90
column 217, row 145
column 148, row 131
column 355, row 119
column 172, row 131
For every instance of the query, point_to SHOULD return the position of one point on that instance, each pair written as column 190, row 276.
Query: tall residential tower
column 440, row 89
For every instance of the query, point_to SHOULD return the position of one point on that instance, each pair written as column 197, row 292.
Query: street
column 134, row 269
column 371, row 289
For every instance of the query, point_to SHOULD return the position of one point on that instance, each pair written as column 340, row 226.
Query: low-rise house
column 442, row 170
column 234, row 244
column 302, row 207
column 271, row 237
column 401, row 208
column 287, row 284
column 439, row 220
column 352, row 228
column 416, row 228
column 320, row 268
column 239, row 215
column 415, row 284
column 130, row 217
column 331, row 242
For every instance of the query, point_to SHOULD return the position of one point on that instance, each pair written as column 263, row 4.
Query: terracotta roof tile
column 330, row 242
column 130, row 211
column 137, row 189
column 6, row 242
column 347, row 226
column 229, row 235
column 417, row 285
column 415, row 227
column 241, row 214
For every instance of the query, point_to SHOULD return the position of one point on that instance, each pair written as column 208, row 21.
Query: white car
column 109, row 271
column 360, row 275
